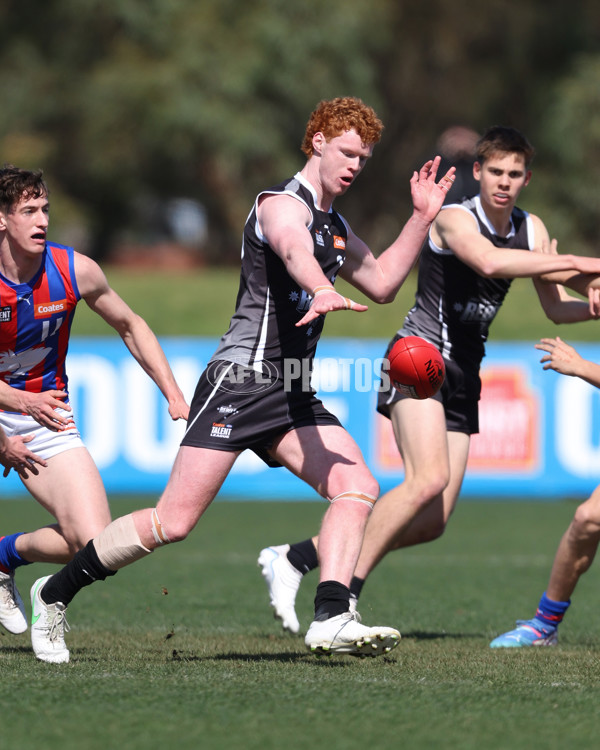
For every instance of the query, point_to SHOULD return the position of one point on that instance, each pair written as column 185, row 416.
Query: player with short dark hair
column 474, row 250
column 41, row 284
column 294, row 246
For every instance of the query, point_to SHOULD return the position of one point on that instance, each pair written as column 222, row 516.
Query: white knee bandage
column 357, row 497
column 120, row 544
column 159, row 534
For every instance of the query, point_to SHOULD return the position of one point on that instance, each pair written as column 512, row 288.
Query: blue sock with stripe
column 550, row 612
column 9, row 557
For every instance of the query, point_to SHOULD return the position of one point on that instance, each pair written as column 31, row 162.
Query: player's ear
column 477, row 170
column 527, row 177
column 318, row 142
column 2, row 221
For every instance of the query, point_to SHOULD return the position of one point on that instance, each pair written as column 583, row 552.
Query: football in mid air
column 416, row 367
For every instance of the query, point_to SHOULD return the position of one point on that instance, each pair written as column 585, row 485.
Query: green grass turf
column 201, row 302
column 180, row 650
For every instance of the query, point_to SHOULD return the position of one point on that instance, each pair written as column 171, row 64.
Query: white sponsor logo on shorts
column 227, row 410
column 219, row 430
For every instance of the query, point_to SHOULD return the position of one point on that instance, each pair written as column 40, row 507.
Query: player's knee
column 438, row 481
column 361, row 496
column 167, row 530
column 586, row 521
column 370, row 487
column 428, row 487
column 178, row 535
column 175, row 531
column 365, row 485
column 435, row 530
column 355, row 496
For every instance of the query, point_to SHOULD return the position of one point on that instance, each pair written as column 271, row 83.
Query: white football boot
column 12, row 609
column 283, row 582
column 344, row 634
column 48, row 627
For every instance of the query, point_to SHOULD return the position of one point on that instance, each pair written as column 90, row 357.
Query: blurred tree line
column 136, row 107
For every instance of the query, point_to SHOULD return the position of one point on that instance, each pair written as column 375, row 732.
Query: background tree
column 127, row 104
column 572, row 137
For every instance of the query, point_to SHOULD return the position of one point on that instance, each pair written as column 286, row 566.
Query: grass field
column 180, row 650
column 201, row 302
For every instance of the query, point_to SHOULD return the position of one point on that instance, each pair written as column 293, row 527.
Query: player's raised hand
column 427, row 194
column 326, row 299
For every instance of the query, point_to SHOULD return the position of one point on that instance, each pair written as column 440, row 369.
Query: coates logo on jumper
column 238, row 377
column 46, row 309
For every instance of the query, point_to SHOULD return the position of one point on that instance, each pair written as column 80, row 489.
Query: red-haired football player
column 475, row 248
column 294, row 246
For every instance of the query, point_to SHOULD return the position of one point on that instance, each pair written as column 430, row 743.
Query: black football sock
column 356, row 585
column 303, row 556
column 332, row 599
column 83, row 569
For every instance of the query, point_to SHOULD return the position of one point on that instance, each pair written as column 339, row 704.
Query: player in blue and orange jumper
column 41, row 284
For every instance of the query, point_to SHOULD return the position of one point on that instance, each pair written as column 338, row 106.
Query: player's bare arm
column 585, row 283
column 456, row 229
column 41, row 406
column 135, row 332
column 563, row 358
column 558, row 305
column 284, row 224
column 381, row 278
column 581, row 283
column 562, row 307
column 577, row 281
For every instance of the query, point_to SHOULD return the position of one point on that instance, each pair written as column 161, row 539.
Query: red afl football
column 416, row 367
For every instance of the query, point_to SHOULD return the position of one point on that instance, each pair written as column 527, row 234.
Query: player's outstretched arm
column 557, row 303
column 563, row 358
column 456, row 229
column 583, row 279
column 578, row 281
column 135, row 332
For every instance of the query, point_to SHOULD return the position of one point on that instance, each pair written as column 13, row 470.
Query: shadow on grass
column 422, row 635
column 283, row 658
column 13, row 650
column 280, row 657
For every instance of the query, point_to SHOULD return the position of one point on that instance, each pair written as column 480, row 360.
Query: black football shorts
column 235, row 408
column 459, row 395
